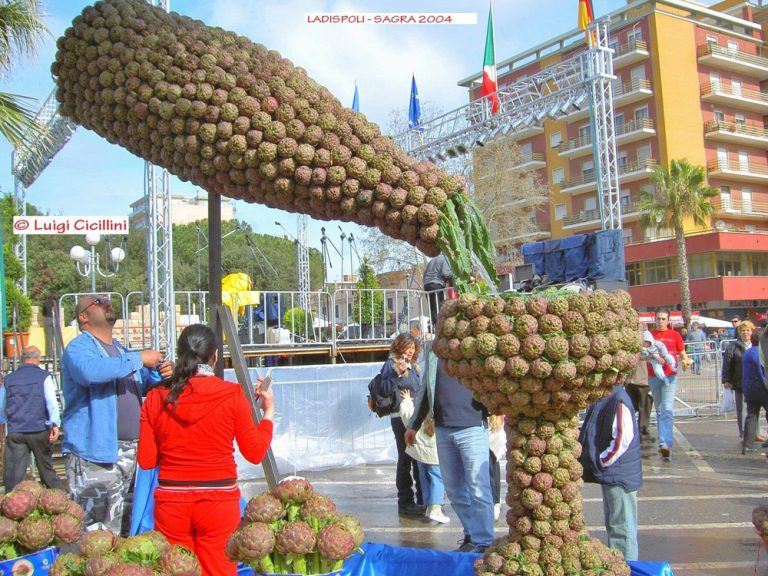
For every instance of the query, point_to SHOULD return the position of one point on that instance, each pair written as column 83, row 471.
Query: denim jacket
column 424, row 403
column 88, row 377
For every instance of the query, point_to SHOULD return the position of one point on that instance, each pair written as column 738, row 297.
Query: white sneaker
column 435, row 513
column 496, row 511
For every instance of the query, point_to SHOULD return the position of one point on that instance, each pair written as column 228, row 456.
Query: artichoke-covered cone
column 539, row 359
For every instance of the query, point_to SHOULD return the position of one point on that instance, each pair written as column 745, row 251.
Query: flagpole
column 493, row 42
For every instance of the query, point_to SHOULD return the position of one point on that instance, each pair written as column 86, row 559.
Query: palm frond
column 17, row 120
column 21, row 30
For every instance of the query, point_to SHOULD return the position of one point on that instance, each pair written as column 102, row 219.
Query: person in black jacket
column 612, row 457
column 754, row 385
column 732, row 372
column 401, row 372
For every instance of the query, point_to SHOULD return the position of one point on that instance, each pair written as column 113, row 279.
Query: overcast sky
column 92, row 177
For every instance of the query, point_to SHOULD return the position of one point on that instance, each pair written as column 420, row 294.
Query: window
column 711, row 39
column 743, row 161
column 626, row 236
column 558, row 175
column 740, row 119
column 714, row 80
column 526, row 151
column 590, row 204
column 657, row 271
column 622, row 162
column 618, row 121
column 719, row 116
column 746, row 200
column 634, row 273
column 759, row 263
column 634, row 35
column 733, row 46
column 700, row 266
column 725, row 197
column 637, row 75
column 644, row 153
column 729, row 264
column 626, row 201
column 555, row 139
column 613, row 44
column 722, row 158
column 641, row 114
column 736, row 87
column 560, row 211
column 587, row 169
column 531, row 213
column 585, row 132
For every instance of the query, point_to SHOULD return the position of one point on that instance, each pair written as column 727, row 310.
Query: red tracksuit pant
column 202, row 520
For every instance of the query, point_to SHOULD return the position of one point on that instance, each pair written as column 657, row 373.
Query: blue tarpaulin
column 606, row 256
column 554, row 261
column 576, row 257
column 533, row 253
column 377, row 560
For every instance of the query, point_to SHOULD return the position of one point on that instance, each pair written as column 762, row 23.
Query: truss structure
column 30, row 159
column 302, row 260
column 581, row 81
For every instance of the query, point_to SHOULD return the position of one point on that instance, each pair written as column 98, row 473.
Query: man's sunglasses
column 97, row 301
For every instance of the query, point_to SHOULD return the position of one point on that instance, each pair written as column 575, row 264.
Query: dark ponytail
column 197, row 345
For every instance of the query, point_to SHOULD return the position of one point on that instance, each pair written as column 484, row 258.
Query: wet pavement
column 694, row 510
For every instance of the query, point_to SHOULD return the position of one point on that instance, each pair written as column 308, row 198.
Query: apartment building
column 691, row 82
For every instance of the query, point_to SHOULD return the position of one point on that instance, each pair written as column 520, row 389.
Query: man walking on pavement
column 663, row 390
column 103, row 385
column 462, row 449
column 28, row 405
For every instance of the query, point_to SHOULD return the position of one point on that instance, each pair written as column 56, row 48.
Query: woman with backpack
column 401, row 372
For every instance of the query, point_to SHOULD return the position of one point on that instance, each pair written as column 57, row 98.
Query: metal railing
column 712, row 49
column 737, row 128
column 621, row 130
column 718, row 89
column 629, row 47
column 624, row 88
column 739, row 206
column 749, row 167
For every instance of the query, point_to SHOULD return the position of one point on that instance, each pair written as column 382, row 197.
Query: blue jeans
column 620, row 514
column 463, row 455
column 664, row 400
column 432, row 489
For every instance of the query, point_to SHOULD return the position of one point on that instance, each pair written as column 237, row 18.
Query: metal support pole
column 214, row 272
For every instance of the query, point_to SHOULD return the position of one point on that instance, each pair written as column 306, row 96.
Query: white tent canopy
column 711, row 322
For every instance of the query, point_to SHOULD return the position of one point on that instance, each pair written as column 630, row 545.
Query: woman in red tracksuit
column 187, row 428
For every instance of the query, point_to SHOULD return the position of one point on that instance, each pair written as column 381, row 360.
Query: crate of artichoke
column 33, row 523
column 294, row 530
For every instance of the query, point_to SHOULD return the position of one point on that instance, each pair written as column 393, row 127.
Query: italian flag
column 490, row 86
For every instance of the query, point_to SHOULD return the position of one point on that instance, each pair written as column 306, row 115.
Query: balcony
column 576, row 147
column 530, row 161
column 736, row 133
column 634, row 171
column 737, row 171
column 635, row 130
column 733, row 60
column 630, row 92
column 587, row 219
column 630, row 53
column 583, row 183
column 732, row 208
column 741, row 98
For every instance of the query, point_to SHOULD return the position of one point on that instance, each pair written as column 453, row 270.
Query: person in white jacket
column 424, row 451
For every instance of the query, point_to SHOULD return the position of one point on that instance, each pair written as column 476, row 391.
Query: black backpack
column 380, row 401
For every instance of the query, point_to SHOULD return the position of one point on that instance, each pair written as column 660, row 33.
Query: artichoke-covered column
column 237, row 118
column 539, row 360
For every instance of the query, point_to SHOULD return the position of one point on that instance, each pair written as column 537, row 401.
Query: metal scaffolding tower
column 159, row 239
column 30, row 159
column 583, row 80
column 302, row 260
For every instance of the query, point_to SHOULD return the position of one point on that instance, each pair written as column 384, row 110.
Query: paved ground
column 695, row 511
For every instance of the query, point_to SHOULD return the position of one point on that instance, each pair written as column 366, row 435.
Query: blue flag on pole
column 414, row 108
column 356, row 100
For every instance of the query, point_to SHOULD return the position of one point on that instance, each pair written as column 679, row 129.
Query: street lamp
column 88, row 262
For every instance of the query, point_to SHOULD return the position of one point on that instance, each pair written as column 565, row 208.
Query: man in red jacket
column 664, row 392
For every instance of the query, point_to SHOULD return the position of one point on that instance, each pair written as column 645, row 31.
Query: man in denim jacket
column 103, row 384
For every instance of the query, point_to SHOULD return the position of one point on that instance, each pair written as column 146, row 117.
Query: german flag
column 586, row 17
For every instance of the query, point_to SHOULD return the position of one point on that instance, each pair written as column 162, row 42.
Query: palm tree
column 681, row 192
column 21, row 29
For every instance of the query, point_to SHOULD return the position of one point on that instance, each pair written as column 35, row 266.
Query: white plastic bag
column 728, row 403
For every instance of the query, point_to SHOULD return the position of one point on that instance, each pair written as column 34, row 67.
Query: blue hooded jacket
column 753, row 383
